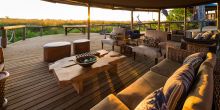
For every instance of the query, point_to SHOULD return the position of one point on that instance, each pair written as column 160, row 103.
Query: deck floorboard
column 31, row 86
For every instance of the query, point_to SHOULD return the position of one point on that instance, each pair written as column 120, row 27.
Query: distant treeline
column 52, row 22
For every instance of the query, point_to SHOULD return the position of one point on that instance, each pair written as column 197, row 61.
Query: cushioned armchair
column 177, row 35
column 153, row 52
column 116, row 37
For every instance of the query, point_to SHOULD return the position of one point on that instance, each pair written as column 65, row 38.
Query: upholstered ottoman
column 56, row 50
column 81, row 46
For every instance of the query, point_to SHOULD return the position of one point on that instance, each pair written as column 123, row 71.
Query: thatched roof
column 136, row 4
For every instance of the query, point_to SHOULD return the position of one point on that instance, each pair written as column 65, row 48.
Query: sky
column 37, row 9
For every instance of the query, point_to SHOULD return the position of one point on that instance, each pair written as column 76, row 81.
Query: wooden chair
column 116, row 37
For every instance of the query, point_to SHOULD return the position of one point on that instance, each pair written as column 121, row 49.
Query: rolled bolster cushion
column 111, row 102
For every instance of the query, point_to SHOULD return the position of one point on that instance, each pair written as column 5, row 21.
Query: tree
column 177, row 14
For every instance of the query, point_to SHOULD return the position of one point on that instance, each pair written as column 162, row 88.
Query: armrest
column 111, row 102
column 177, row 55
column 162, row 45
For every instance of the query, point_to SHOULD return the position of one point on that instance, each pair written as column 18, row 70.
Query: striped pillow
column 177, row 86
column 195, row 59
column 154, row 101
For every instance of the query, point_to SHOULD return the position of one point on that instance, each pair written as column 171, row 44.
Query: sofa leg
column 113, row 48
column 102, row 45
column 156, row 60
column 134, row 53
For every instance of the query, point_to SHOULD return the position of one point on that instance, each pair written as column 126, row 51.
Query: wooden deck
column 30, row 86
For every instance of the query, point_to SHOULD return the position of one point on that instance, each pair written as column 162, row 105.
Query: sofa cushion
column 154, row 101
column 108, row 41
column 137, row 91
column 178, row 85
column 111, row 102
column 148, row 51
column 195, row 59
column 201, row 95
column 198, row 36
column 151, row 42
column 207, row 35
column 166, row 67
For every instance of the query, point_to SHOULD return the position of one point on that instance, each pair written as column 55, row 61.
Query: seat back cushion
column 142, row 87
column 111, row 102
column 195, row 59
column 178, row 85
column 201, row 94
column 162, row 36
column 154, row 101
column 166, row 67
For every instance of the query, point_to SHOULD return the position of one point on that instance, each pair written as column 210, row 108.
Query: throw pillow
column 207, row 35
column 154, row 101
column 214, row 36
column 177, row 86
column 151, row 42
column 195, row 59
column 199, row 36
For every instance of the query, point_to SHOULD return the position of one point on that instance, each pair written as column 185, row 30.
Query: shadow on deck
column 31, row 86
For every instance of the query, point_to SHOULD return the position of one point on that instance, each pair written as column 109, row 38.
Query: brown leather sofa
column 200, row 95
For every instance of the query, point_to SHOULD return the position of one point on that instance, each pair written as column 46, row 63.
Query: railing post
column 41, row 31
column 4, row 38
column 13, row 36
column 24, row 33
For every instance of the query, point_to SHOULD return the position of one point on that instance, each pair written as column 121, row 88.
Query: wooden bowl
column 86, row 61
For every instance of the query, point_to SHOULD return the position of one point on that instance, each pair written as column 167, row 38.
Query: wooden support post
column 88, row 21
column 158, row 25
column 218, row 16
column 132, row 20
column 4, row 39
column 185, row 15
column 24, row 33
column 169, row 26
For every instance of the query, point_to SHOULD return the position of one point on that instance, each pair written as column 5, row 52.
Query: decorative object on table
column 81, row 46
column 56, row 50
column 86, row 61
column 3, row 77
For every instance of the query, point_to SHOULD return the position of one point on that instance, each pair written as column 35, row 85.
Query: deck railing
column 27, row 31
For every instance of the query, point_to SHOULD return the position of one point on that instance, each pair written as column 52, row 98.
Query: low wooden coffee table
column 68, row 72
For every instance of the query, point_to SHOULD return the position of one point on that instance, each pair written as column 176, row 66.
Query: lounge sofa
column 200, row 95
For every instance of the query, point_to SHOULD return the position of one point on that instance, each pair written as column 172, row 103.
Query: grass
column 55, row 26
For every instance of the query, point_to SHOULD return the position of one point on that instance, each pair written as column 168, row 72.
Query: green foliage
column 177, row 15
